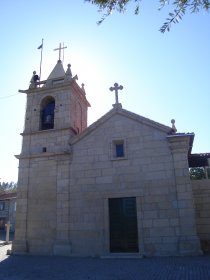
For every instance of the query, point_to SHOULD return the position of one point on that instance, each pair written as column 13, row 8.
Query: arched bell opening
column 47, row 113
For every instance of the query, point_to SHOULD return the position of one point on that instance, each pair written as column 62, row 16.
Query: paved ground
column 60, row 268
column 63, row 268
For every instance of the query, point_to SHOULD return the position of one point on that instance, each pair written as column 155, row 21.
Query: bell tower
column 56, row 110
column 56, row 103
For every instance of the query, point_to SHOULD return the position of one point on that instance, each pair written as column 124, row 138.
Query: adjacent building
column 7, row 209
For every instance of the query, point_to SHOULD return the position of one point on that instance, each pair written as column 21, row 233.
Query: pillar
column 188, row 243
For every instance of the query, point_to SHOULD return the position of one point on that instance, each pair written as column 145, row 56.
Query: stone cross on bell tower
column 59, row 49
column 116, row 88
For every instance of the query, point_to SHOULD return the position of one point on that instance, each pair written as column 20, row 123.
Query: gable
column 119, row 118
column 143, row 143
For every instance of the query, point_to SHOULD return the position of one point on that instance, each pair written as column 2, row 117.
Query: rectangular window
column 2, row 205
column 118, row 149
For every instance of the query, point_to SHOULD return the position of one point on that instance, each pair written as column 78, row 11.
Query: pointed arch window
column 47, row 113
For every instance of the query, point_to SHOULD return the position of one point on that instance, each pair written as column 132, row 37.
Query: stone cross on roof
column 116, row 88
column 59, row 49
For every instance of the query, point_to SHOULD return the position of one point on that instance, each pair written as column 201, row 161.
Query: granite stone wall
column 201, row 191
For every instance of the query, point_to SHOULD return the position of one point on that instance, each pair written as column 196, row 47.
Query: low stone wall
column 201, row 191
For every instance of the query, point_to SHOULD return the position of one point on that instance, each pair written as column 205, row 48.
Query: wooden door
column 123, row 225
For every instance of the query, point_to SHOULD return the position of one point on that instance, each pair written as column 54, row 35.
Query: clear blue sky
column 164, row 76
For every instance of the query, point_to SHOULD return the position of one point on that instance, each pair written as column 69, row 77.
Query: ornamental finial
column 68, row 71
column 173, row 129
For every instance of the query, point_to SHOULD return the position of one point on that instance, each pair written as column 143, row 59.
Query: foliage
column 8, row 187
column 197, row 173
column 179, row 8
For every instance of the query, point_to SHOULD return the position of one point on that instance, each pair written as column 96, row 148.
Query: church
column 118, row 187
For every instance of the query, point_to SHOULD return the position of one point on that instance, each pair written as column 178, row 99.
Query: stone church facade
column 119, row 186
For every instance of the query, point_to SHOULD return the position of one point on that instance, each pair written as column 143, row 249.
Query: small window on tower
column 118, row 149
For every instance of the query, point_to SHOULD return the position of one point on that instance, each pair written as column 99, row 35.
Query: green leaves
column 110, row 5
column 182, row 6
column 174, row 17
column 197, row 173
column 179, row 7
column 8, row 187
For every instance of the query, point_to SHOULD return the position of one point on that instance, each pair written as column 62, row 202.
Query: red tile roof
column 8, row 195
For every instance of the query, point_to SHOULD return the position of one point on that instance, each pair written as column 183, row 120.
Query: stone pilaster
column 189, row 243
column 62, row 244
column 20, row 244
